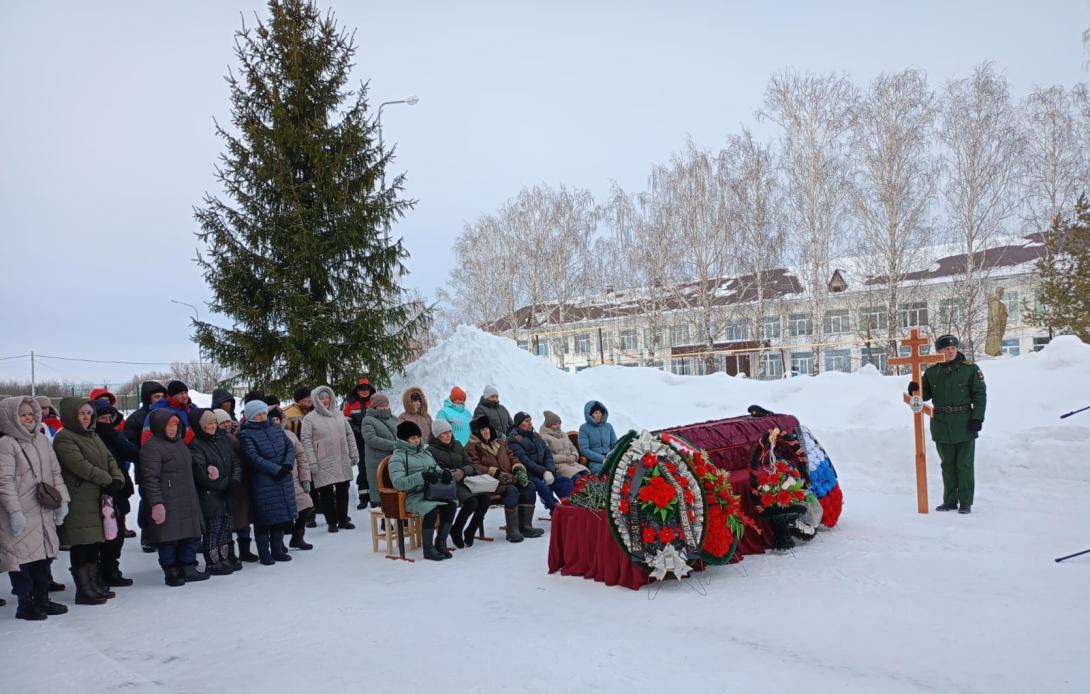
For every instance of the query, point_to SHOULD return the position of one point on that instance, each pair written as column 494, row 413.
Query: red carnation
column 666, row 535
column 783, row 498
column 657, row 491
column 799, row 494
column 688, row 496
column 723, row 493
column 766, row 500
column 648, row 536
column 624, row 506
column 781, row 466
column 626, row 489
column 649, row 460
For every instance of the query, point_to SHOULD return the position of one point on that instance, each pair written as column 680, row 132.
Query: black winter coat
column 452, row 456
column 214, row 452
column 271, row 457
column 532, row 451
column 166, row 472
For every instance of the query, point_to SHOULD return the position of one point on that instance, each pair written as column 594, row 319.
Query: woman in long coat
column 28, row 530
column 379, row 429
column 411, row 467
column 271, row 457
column 330, row 449
column 89, row 472
column 301, row 480
column 215, row 469
column 168, row 485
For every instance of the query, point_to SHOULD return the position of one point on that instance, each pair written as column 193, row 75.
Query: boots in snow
column 441, row 540
column 111, row 577
column 55, row 587
column 459, row 528
column 43, row 603
column 297, row 541
column 28, row 610
column 262, row 540
column 430, row 552
column 85, row 594
column 94, row 575
column 276, row 542
column 475, row 523
column 512, row 519
column 173, row 577
column 192, row 573
column 244, row 553
column 526, row 521
column 232, row 558
column 946, row 507
column 216, row 563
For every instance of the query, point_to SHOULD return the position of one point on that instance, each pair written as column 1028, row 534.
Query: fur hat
column 406, row 430
column 551, row 418
column 253, row 395
column 44, row 402
column 254, row 408
column 946, row 341
column 489, row 391
column 175, row 387
column 479, row 423
column 378, row 400
column 300, row 393
column 272, row 401
column 457, row 394
column 440, row 426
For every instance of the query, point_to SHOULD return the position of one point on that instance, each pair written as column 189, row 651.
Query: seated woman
column 565, row 455
column 596, row 435
column 489, row 455
column 410, row 467
column 452, row 456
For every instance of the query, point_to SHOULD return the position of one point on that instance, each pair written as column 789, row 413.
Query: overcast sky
column 106, row 139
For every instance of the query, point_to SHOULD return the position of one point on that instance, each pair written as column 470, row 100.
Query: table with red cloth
column 582, row 544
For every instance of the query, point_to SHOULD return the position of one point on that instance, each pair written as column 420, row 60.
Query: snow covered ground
column 890, row 601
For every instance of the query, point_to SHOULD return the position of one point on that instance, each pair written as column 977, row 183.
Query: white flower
column 788, row 483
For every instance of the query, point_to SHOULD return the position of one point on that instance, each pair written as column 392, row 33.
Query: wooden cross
column 916, row 359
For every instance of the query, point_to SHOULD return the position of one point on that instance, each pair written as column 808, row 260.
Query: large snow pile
column 890, row 601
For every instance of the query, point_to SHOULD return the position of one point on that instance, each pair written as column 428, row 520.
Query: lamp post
column 411, row 101
column 196, row 317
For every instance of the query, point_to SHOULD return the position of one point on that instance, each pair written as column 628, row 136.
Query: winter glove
column 430, row 476
column 913, row 387
column 458, row 475
column 549, row 479
column 159, row 514
column 283, row 472
column 114, row 488
column 18, row 523
column 504, row 477
column 307, row 486
column 61, row 513
column 446, row 476
column 975, row 425
column 521, row 479
column 213, row 473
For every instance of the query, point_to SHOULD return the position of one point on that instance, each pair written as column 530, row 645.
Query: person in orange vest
column 355, row 408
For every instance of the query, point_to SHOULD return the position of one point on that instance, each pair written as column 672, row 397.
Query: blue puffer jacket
column 532, row 451
column 268, row 450
column 596, row 440
column 458, row 416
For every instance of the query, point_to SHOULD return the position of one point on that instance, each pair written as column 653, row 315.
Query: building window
column 802, row 363
column 1012, row 347
column 1040, row 342
column 543, row 348
column 952, row 311
column 737, row 330
column 582, row 343
column 523, row 344
column 652, row 338
column 876, row 356
column 770, row 327
column 838, row 360
column 679, row 335
column 628, row 341
column 682, row 367
column 799, row 324
column 772, row 365
column 1014, row 313
column 873, row 318
column 837, row 322
column 904, row 351
column 914, row 315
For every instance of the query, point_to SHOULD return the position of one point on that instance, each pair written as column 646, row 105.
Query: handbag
column 436, row 491
column 47, row 496
column 109, row 518
column 481, row 484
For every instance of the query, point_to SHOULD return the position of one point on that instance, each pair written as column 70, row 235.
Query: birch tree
column 1054, row 155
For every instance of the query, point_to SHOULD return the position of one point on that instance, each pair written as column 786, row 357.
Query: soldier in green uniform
column 956, row 389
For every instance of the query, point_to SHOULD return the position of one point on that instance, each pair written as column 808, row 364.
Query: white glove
column 18, row 523
column 61, row 513
column 549, row 479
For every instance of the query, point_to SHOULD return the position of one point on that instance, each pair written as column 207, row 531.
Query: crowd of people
column 213, row 480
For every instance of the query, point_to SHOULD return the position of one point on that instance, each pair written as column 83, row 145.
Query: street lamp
column 411, row 101
column 196, row 318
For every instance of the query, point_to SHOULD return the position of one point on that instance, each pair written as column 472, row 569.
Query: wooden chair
column 573, row 436
column 392, row 511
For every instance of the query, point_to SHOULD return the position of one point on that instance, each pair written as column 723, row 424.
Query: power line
column 17, row 356
column 107, row 361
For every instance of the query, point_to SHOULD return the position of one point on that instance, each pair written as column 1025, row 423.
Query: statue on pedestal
column 997, row 324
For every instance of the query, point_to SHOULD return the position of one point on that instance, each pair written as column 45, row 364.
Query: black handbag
column 436, row 491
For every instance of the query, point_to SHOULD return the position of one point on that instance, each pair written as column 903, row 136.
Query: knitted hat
column 378, row 400
column 406, row 430
column 521, row 417
column 222, row 416
column 44, row 402
column 208, row 416
column 489, row 391
column 272, row 401
column 440, row 426
column 457, row 394
column 254, row 408
column 175, row 387
column 300, row 393
column 551, row 418
column 946, row 341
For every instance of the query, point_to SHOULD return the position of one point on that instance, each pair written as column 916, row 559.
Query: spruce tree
column 1063, row 294
column 297, row 252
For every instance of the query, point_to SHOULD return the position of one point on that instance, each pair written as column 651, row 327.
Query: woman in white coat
column 331, row 451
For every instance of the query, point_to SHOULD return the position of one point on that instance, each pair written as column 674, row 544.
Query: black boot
column 173, row 577
column 94, row 573
column 441, row 540
column 965, row 509
column 112, row 577
column 43, row 603
column 232, row 559
column 430, row 552
column 215, row 565
column 262, row 540
column 192, row 573
column 458, row 529
column 276, row 542
column 947, row 507
column 475, row 523
column 333, row 527
column 28, row 610
column 511, row 516
column 55, row 587
column 244, row 553
column 85, row 593
column 526, row 521
column 346, row 524
column 297, row 541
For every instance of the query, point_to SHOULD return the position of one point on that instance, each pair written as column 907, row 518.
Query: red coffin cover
column 729, row 442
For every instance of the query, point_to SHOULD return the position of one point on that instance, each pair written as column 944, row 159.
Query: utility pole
column 33, row 380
